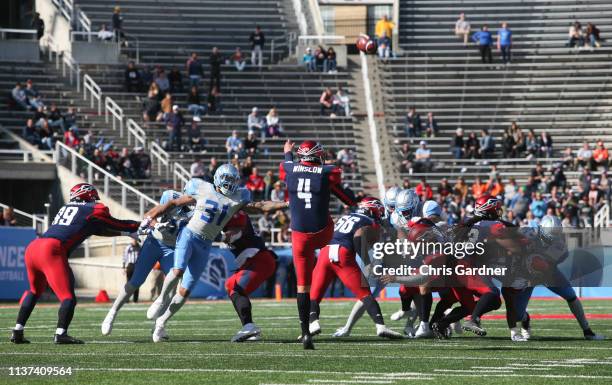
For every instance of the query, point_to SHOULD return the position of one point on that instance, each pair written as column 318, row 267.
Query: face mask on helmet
column 371, row 207
column 488, row 208
column 84, row 192
column 550, row 228
column 390, row 200
column 406, row 204
column 227, row 179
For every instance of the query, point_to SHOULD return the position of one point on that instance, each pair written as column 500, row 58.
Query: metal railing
column 69, row 158
column 37, row 221
column 49, row 44
column 112, row 108
column 95, row 92
column 4, row 31
column 67, row 8
column 161, row 157
column 73, row 68
column 180, row 174
column 134, row 130
column 602, row 217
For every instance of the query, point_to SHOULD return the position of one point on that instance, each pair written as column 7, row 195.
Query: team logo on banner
column 215, row 273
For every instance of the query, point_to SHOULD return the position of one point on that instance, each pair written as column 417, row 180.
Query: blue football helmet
column 406, row 205
column 227, row 179
column 389, row 200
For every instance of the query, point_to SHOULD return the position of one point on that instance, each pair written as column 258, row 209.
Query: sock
column 526, row 321
column 315, row 310
column 356, row 313
column 60, row 331
column 455, row 315
column 488, row 302
column 242, row 304
column 418, row 303
column 136, row 295
column 123, row 297
column 65, row 313
column 18, row 327
column 510, row 302
column 406, row 303
column 170, row 283
column 303, row 304
column 373, row 309
column 440, row 310
column 27, row 305
column 576, row 308
column 425, row 308
column 175, row 305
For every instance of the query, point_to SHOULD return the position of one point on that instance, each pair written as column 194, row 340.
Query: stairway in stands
column 169, row 31
column 548, row 86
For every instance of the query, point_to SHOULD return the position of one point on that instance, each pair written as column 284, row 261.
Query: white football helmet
column 406, row 205
column 227, row 179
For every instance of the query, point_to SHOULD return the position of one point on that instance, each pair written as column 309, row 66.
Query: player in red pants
column 255, row 265
column 353, row 233
column 310, row 184
column 46, row 258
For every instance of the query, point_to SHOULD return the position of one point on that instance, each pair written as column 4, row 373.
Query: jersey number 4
column 304, row 192
column 211, row 209
column 65, row 216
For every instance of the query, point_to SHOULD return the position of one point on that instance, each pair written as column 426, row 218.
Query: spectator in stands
column 194, row 70
column 504, row 42
column 406, row 184
column 444, row 189
column 531, row 144
column 600, row 156
column 174, row 125
column 46, row 135
column 494, row 186
column 211, row 169
column 19, row 96
column 487, row 144
column 238, row 60
column 567, row 156
column 510, row 191
column 55, row 117
column 194, row 104
column 176, row 80
column 216, row 59
column 575, row 35
column 162, row 82
column 214, row 101
column 327, row 102
column 34, row 97
column 538, row 173
column 233, row 145
column 538, row 206
column 331, row 64
column 412, row 125
column 166, row 105
column 545, row 144
column 342, row 102
column 457, row 144
column 255, row 184
column 152, row 107
column 7, row 219
column 346, row 160
column 117, row 23
column 264, row 225
column 71, row 139
column 431, row 126
column 251, row 143
column 478, row 188
column 592, row 36
column 462, row 28
column 309, row 60
column 584, row 157
column 320, row 56
column 273, row 123
column 39, row 25
column 384, row 47
column 472, row 146
column 132, row 78
column 406, row 157
column 246, row 168
column 257, row 124
column 508, row 145
column 423, row 190
column 461, row 188
column 196, row 143
column 281, row 221
column 384, row 27
column 104, row 34
column 422, row 157
column 197, row 169
column 257, row 40
column 269, row 181
column 484, row 40
column 30, row 133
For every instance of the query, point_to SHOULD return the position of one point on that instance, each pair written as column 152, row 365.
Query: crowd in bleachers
column 322, row 60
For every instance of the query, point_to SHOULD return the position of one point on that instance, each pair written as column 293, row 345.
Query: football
column 370, row 47
column 361, row 43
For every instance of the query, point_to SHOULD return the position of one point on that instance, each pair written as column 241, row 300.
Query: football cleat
column 159, row 334
column 18, row 338
column 384, row 332
column 307, row 342
column 341, row 332
column 249, row 330
column 398, row 315
column 157, row 308
column 474, row 327
column 456, row 327
column 441, row 331
column 314, row 328
column 65, row 339
column 423, row 331
column 590, row 336
column 526, row 333
column 107, row 324
column 516, row 336
column 253, row 338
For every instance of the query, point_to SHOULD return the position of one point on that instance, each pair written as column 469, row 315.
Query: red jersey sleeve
column 102, row 218
column 344, row 194
column 238, row 220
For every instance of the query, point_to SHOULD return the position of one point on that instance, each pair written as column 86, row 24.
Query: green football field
column 200, row 351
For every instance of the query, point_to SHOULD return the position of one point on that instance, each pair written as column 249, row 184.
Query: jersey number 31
column 211, row 209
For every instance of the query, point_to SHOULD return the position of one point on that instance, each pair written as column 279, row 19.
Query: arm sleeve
column 345, row 194
column 109, row 226
column 281, row 172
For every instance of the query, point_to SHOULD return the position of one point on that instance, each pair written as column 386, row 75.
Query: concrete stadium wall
column 19, row 50
column 56, row 24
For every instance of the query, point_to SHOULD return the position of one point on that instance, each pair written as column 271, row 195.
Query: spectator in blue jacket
column 538, row 206
column 504, row 42
column 484, row 40
column 487, row 144
column 174, row 125
column 309, row 60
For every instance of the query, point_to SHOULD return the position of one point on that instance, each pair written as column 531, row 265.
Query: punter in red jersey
column 354, row 233
column 255, row 265
column 310, row 184
column 46, row 258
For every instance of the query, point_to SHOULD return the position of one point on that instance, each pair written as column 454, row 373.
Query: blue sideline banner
column 13, row 276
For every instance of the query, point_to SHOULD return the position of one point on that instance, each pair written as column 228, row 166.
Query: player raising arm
column 46, row 258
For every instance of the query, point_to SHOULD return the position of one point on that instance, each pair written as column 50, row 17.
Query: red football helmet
column 84, row 192
column 372, row 207
column 488, row 207
column 310, row 151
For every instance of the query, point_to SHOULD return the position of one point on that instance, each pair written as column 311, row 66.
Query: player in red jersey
column 255, row 265
column 310, row 183
column 46, row 257
column 353, row 234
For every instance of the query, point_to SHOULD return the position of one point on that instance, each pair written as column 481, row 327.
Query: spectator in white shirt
column 462, row 27
column 422, row 157
column 256, row 123
column 197, row 169
column 342, row 102
column 104, row 34
column 278, row 193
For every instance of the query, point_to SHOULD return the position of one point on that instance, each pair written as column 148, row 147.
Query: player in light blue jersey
column 157, row 247
column 215, row 204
